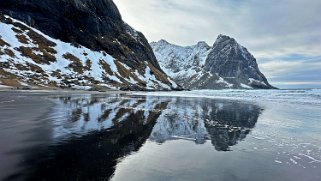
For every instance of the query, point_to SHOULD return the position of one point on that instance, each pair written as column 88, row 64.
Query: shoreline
column 64, row 91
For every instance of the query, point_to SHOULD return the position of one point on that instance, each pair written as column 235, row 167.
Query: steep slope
column 74, row 34
column 226, row 64
column 181, row 63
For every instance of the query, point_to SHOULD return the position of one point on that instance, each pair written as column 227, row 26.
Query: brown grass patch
column 76, row 64
column 35, row 78
column 19, row 25
column 53, row 84
column 35, row 68
column 22, row 39
column 16, row 30
column 9, row 79
column 40, row 40
column 21, row 67
column 46, row 58
column 127, row 73
column 9, row 52
column 88, row 65
column 3, row 43
column 158, row 74
column 44, row 45
column 106, row 67
column 91, row 80
column 28, row 52
column 56, row 73
column 122, row 70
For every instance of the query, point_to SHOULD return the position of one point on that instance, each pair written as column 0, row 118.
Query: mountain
column 226, row 64
column 77, row 44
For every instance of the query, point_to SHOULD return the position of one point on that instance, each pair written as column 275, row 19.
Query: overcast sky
column 284, row 35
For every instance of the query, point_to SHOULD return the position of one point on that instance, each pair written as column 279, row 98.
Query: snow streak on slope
column 173, row 58
column 183, row 64
column 28, row 57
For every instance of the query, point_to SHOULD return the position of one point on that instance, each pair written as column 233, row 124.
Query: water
column 197, row 135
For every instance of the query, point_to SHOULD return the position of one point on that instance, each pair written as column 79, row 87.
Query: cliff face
column 233, row 62
column 93, row 24
column 226, row 64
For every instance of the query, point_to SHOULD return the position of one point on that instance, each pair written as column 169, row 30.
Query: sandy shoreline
column 63, row 91
column 76, row 129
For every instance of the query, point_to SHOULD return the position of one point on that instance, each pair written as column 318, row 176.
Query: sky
column 284, row 35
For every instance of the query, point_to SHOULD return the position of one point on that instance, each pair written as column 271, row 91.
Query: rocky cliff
column 45, row 35
column 226, row 64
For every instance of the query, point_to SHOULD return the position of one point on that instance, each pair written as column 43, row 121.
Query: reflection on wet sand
column 90, row 133
column 222, row 122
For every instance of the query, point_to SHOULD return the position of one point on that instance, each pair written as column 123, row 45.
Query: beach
column 195, row 135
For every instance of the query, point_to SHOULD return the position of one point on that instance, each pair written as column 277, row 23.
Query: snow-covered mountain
column 77, row 44
column 226, row 64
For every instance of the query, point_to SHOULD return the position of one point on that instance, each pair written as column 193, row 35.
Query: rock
column 226, row 64
column 95, row 24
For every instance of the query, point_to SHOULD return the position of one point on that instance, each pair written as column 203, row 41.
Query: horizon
column 287, row 48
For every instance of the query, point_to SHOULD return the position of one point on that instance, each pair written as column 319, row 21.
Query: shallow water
column 157, row 137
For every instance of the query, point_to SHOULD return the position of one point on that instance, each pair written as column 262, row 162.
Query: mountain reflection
column 223, row 122
column 91, row 133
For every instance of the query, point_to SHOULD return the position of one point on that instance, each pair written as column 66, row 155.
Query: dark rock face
column 95, row 24
column 233, row 62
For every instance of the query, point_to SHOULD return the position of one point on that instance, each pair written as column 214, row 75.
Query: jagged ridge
column 226, row 64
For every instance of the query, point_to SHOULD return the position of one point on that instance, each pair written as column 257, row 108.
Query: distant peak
column 202, row 43
column 163, row 41
column 223, row 38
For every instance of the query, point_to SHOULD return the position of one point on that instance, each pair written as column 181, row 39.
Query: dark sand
column 50, row 135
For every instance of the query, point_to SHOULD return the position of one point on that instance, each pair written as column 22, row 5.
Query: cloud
column 272, row 30
column 288, row 72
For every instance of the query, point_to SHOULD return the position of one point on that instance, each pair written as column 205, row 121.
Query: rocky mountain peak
column 202, row 44
column 226, row 64
column 162, row 41
column 224, row 39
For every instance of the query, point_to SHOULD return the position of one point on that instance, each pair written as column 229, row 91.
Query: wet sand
column 21, row 114
column 120, row 136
